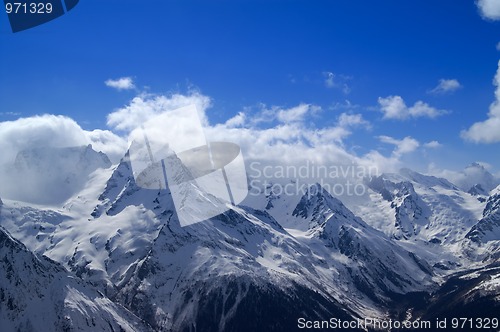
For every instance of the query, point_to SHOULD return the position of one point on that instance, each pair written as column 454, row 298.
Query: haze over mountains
column 117, row 258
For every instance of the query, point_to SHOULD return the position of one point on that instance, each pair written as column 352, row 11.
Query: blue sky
column 243, row 54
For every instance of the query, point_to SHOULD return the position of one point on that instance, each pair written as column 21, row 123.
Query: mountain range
column 108, row 255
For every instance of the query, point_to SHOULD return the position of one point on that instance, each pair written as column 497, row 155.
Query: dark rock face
column 411, row 212
column 488, row 228
column 38, row 294
column 470, row 294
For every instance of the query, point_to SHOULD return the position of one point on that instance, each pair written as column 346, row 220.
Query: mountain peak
column 476, row 164
column 477, row 190
column 426, row 180
column 477, row 174
column 317, row 205
column 50, row 175
column 38, row 292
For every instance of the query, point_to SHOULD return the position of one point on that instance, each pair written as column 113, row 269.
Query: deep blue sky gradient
column 242, row 53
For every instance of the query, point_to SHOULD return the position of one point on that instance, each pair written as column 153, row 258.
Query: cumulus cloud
column 107, row 142
column 394, row 107
column 236, row 121
column 487, row 131
column 297, row 143
column 433, row 145
column 123, row 83
column 38, row 131
column 296, row 113
column 489, row 9
column 265, row 115
column 446, row 86
column 274, row 134
column 353, row 120
column 287, row 138
column 144, row 107
column 475, row 173
column 34, row 169
column 55, row 131
column 403, row 146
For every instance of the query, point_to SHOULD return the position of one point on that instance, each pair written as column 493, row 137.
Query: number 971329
column 31, row 8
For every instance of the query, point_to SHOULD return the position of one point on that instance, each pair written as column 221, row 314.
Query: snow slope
column 38, row 294
column 262, row 265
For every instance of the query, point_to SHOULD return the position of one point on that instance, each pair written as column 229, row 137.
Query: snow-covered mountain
column 217, row 274
column 262, row 266
column 469, row 294
column 244, row 256
column 411, row 213
column 38, row 294
column 411, row 205
column 375, row 263
column 51, row 175
column 488, row 228
column 473, row 176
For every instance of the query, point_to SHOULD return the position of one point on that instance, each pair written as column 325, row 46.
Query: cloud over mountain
column 487, row 131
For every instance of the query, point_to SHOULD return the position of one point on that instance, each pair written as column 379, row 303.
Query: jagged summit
column 38, row 294
column 309, row 255
column 411, row 213
column 317, row 205
column 426, row 180
column 488, row 228
column 477, row 174
column 50, row 158
column 477, row 190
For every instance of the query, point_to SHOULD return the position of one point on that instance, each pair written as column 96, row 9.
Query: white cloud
column 123, row 83
column 290, row 138
column 498, row 46
column 433, row 145
column 296, row 113
column 54, row 131
column 38, row 131
column 236, row 121
column 394, row 107
column 49, row 131
column 269, row 115
column 487, row 131
column 446, row 86
column 421, row 109
column 475, row 173
column 108, row 142
column 353, row 120
column 403, row 146
column 489, row 9
column 144, row 107
column 297, row 143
